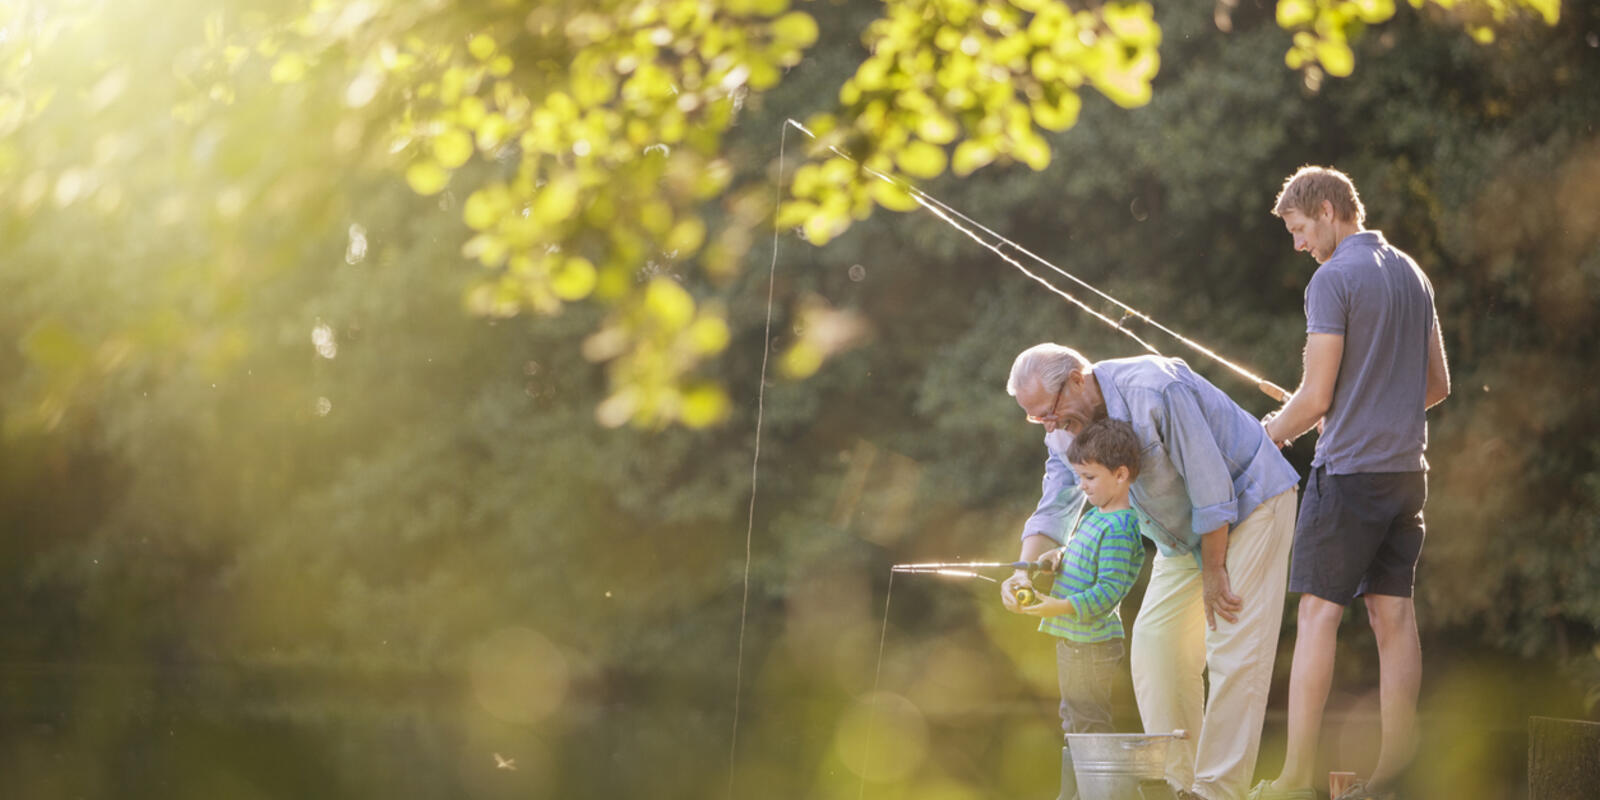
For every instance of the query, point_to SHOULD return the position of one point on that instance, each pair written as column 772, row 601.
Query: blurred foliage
column 283, row 521
column 1323, row 29
column 582, row 145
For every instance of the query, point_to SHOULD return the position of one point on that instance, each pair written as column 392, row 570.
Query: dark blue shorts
column 1358, row 534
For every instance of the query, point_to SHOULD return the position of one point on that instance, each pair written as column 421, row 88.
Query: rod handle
column 1273, row 390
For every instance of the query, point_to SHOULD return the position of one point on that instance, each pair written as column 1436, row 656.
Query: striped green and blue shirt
column 1102, row 559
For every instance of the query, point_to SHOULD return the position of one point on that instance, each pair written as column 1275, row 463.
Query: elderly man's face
column 1069, row 409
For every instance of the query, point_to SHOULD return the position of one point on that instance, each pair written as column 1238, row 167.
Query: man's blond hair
column 1305, row 190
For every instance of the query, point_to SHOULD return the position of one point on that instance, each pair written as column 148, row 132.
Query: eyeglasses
column 1049, row 416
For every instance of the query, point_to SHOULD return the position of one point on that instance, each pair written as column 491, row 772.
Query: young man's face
column 1313, row 233
column 1104, row 487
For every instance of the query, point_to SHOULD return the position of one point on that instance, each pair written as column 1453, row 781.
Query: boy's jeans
column 1087, row 673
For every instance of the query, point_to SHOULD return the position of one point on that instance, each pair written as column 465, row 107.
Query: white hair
column 1048, row 363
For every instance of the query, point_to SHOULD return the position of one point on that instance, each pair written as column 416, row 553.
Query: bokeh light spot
column 518, row 675
column 883, row 738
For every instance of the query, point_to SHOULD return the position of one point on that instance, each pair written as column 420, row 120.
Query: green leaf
column 1335, row 57
column 824, row 224
column 970, row 156
column 574, row 279
column 481, row 46
column 482, row 210
column 795, row 212
column 704, row 406
column 920, row 159
column 686, row 236
column 427, row 177
column 668, row 303
column 708, row 334
column 1032, row 150
column 893, row 196
column 936, row 128
column 801, row 360
column 1059, row 116
column 557, row 201
column 796, row 29
column 1373, row 12
column 452, row 148
column 1295, row 13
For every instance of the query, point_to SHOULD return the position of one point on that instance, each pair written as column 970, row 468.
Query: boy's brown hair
column 1305, row 190
column 1111, row 443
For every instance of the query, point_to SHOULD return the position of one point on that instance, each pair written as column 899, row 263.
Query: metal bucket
column 1113, row 766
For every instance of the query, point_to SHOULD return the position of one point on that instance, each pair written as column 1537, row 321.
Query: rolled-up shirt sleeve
column 1198, row 458
column 1059, row 499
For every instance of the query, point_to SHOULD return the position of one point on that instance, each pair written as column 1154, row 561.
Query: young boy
column 1094, row 570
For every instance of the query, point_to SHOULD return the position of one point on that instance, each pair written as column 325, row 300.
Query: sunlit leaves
column 652, row 338
column 603, row 159
column 582, row 146
column 822, row 332
column 960, row 85
column 1323, row 29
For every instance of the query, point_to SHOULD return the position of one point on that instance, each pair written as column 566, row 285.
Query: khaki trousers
column 1172, row 646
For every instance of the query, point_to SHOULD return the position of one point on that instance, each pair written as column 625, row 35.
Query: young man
column 1094, row 571
column 1374, row 362
column 1217, row 498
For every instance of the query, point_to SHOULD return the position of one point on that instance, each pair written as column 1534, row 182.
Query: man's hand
column 1008, row 590
column 1051, row 560
column 1219, row 596
column 1274, row 436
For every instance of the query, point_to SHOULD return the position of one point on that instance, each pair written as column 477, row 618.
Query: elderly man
column 1218, row 499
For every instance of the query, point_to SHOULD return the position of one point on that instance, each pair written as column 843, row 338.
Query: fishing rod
column 969, row 569
column 947, row 214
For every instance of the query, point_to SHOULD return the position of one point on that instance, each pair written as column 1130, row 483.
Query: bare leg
column 1310, row 678
column 1394, row 621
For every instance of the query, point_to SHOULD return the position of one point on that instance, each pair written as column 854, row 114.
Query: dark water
column 111, row 730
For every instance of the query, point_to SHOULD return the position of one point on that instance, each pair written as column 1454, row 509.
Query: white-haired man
column 1218, row 499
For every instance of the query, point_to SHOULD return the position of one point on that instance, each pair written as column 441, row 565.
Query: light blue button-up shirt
column 1206, row 462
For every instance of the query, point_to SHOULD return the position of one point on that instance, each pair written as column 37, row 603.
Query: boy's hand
column 1049, row 607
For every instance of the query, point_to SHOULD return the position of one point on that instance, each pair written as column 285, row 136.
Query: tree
column 581, row 145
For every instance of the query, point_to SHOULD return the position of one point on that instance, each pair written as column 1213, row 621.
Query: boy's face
column 1103, row 486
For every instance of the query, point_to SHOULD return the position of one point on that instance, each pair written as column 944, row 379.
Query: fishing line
column 755, row 461
column 872, row 712
column 949, row 216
